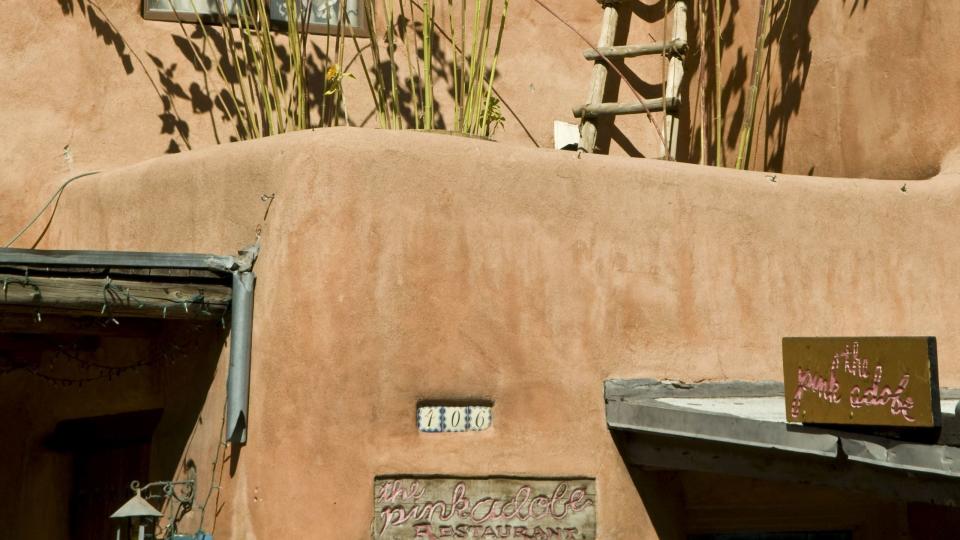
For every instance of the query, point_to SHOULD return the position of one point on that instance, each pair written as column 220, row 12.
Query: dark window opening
column 108, row 453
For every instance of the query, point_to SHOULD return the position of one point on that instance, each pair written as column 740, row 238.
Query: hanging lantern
column 139, row 518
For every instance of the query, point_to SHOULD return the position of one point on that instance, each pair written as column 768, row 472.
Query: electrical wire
column 53, row 198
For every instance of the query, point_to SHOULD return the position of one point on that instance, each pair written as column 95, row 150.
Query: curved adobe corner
column 446, row 266
column 638, row 252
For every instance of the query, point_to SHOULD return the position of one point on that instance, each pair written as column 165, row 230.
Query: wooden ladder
column 674, row 49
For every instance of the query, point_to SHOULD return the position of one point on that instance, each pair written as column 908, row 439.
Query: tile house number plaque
column 410, row 507
column 449, row 418
column 868, row 381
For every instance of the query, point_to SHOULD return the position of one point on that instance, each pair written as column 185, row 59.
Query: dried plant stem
column 341, row 51
column 663, row 72
column 413, row 68
column 293, row 24
column 377, row 86
column 701, row 94
column 717, row 74
column 477, row 82
column 264, row 99
column 391, row 51
column 474, row 66
column 488, row 102
column 746, row 131
column 455, row 64
column 463, row 60
column 474, row 63
column 428, row 65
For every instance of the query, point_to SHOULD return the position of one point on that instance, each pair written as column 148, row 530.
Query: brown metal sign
column 490, row 507
column 869, row 381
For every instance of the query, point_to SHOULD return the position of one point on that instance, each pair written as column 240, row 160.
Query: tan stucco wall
column 876, row 97
column 854, row 88
column 522, row 276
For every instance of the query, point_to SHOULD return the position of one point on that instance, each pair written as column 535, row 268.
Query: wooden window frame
column 361, row 30
column 164, row 15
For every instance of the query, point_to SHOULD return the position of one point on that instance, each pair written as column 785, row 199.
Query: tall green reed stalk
column 263, row 97
column 717, row 74
column 759, row 55
column 474, row 57
column 762, row 43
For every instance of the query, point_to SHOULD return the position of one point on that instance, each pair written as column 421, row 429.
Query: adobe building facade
column 400, row 272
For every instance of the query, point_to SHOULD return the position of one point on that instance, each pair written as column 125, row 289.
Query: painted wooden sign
column 490, row 507
column 869, row 381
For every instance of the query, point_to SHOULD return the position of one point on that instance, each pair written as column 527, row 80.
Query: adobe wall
column 521, row 276
column 852, row 89
column 856, row 89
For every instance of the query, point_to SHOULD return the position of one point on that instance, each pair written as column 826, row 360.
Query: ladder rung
column 608, row 109
column 675, row 47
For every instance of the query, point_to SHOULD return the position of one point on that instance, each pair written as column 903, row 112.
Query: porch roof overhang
column 119, row 259
column 117, row 283
column 68, row 284
column 739, row 428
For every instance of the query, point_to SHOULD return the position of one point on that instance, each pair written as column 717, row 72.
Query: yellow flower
column 334, row 78
column 333, row 72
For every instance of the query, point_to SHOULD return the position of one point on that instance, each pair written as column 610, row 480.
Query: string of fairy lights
column 69, row 357
column 84, row 369
column 67, row 362
column 112, row 294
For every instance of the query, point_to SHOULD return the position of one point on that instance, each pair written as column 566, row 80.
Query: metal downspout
column 238, row 377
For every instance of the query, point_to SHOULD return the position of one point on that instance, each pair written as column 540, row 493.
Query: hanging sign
column 490, row 507
column 869, row 381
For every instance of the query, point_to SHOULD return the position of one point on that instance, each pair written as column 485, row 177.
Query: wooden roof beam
column 115, row 298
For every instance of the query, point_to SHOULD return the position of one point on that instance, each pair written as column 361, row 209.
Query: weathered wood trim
column 598, row 81
column 671, row 126
column 639, row 107
column 675, row 47
column 108, row 297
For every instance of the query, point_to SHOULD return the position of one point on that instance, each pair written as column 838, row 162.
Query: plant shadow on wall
column 171, row 122
column 854, row 4
column 221, row 64
column 740, row 113
column 728, row 110
column 743, row 115
column 253, row 78
column 419, row 45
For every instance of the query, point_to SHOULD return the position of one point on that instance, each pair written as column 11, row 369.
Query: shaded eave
column 654, row 429
column 115, row 284
column 146, row 285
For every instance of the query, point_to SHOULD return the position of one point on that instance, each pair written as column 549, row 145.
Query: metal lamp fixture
column 137, row 514
column 139, row 517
